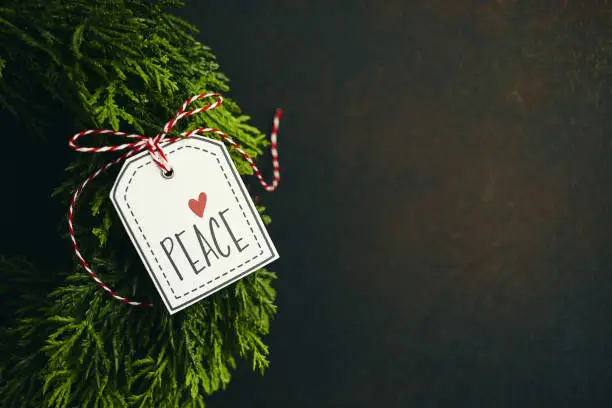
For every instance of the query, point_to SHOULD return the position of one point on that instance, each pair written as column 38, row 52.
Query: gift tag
column 197, row 229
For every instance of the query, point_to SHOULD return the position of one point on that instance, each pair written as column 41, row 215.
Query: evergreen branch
column 130, row 65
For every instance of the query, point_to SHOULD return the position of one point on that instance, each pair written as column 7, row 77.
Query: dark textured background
column 443, row 217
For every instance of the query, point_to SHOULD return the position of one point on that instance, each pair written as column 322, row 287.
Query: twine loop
column 154, row 146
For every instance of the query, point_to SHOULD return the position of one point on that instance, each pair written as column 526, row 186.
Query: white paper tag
column 196, row 232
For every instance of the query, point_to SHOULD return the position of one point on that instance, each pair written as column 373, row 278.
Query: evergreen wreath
column 116, row 64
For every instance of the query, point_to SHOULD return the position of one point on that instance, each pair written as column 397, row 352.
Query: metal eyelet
column 168, row 174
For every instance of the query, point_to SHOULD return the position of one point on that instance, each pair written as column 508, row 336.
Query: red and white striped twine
column 152, row 144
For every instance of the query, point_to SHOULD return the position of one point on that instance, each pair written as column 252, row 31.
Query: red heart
column 197, row 206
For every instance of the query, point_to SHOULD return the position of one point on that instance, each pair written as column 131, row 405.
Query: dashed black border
column 146, row 240
column 239, row 183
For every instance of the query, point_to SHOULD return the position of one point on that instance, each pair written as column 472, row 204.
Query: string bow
column 153, row 146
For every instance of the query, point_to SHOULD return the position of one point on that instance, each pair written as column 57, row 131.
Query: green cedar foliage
column 129, row 65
